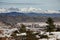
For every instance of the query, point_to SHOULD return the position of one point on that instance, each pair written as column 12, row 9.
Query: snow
column 2, row 10
column 57, row 34
column 7, row 32
column 22, row 34
column 37, row 36
column 49, row 39
column 27, row 10
column 52, row 37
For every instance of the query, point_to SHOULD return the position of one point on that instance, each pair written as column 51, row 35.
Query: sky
column 43, row 4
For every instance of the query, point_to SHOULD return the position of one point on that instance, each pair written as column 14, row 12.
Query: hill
column 15, row 17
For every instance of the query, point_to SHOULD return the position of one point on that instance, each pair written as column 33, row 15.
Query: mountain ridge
column 16, row 17
column 30, row 14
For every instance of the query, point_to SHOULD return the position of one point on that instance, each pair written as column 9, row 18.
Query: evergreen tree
column 30, row 35
column 50, row 27
column 22, row 28
column 14, row 34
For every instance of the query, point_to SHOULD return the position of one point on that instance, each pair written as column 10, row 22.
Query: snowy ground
column 48, row 39
column 56, row 35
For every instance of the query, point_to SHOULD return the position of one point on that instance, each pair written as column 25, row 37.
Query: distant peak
column 27, row 10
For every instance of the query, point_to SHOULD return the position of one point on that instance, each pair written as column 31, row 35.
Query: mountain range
column 13, row 16
column 27, row 10
column 31, row 14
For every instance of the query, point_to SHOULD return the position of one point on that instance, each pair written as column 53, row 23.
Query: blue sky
column 43, row 4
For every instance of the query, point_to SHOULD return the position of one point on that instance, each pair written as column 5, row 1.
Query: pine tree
column 31, row 36
column 14, row 34
column 22, row 28
column 50, row 27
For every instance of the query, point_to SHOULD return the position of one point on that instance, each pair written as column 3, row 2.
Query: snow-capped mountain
column 27, row 10
column 2, row 10
column 37, row 10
